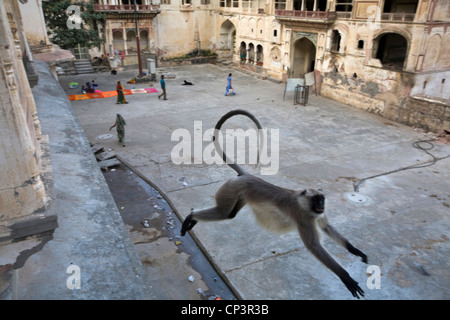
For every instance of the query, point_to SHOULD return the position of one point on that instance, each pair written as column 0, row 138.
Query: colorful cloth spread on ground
column 108, row 94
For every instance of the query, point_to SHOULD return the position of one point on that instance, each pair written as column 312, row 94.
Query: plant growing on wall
column 74, row 26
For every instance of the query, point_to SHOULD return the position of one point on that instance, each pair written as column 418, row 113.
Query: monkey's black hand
column 352, row 285
column 188, row 224
column 356, row 252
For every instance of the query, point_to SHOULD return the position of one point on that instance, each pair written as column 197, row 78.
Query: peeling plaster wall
column 355, row 75
column 179, row 32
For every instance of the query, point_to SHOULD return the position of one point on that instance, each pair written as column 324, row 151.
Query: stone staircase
column 83, row 66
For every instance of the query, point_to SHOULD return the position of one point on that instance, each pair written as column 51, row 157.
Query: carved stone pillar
column 22, row 191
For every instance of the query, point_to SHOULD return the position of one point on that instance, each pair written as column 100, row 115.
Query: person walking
column 120, row 96
column 163, row 88
column 120, row 127
column 229, row 85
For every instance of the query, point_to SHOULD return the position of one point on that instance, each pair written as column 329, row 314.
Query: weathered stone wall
column 25, row 225
column 22, row 191
column 422, row 112
column 364, row 71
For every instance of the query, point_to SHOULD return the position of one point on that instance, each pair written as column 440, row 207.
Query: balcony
column 307, row 16
column 126, row 7
column 401, row 16
column 186, row 7
column 123, row 11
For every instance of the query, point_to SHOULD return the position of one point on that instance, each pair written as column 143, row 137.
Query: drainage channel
column 176, row 267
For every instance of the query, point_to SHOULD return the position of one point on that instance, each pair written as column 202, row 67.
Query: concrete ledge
column 91, row 232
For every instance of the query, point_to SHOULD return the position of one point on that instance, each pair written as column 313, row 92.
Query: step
column 83, row 66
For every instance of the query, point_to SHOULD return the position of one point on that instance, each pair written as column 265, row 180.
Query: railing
column 343, row 14
column 186, row 7
column 398, row 16
column 323, row 15
column 126, row 7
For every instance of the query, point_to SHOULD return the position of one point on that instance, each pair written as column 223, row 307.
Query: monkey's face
column 316, row 200
column 318, row 203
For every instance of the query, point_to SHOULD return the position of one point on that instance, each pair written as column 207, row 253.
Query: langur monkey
column 277, row 209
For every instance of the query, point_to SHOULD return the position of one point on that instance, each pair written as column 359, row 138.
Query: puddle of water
column 151, row 220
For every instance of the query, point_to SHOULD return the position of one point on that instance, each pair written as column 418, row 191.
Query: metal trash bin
column 301, row 95
column 151, row 66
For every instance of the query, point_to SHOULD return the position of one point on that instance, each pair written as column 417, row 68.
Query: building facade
column 390, row 57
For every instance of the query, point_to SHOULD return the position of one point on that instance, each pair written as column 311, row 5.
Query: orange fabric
column 108, row 94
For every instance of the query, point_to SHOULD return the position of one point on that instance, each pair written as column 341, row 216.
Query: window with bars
column 344, row 5
column 229, row 3
column 280, row 4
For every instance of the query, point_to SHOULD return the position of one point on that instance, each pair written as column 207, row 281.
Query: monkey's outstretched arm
column 310, row 238
column 336, row 236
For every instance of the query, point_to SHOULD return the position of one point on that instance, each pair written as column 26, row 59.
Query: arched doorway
column 391, row 49
column 243, row 52
column 131, row 40
column 227, row 38
column 304, row 58
column 118, row 40
column 251, row 53
column 259, row 55
column 143, row 40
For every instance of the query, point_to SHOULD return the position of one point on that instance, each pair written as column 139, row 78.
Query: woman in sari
column 120, row 96
column 120, row 127
column 89, row 88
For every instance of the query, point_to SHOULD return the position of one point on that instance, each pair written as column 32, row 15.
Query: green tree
column 84, row 34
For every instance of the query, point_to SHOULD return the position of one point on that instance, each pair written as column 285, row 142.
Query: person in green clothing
column 120, row 125
column 163, row 88
column 120, row 96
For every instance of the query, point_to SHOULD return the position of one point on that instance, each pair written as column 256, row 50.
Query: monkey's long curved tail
column 239, row 170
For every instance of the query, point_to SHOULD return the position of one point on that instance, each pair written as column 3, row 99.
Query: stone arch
column 275, row 54
column 391, row 48
column 252, row 26
column 275, row 29
column 144, row 40
column 260, row 28
column 227, row 35
column 303, row 57
column 118, row 40
column 243, row 52
column 433, row 52
column 131, row 39
column 259, row 55
column 392, row 29
column 338, row 35
column 251, row 53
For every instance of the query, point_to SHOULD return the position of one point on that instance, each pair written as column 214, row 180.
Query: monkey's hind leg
column 211, row 214
column 206, row 215
column 228, row 204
